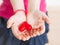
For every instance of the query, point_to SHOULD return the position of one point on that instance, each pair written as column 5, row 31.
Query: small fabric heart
column 28, row 27
column 25, row 26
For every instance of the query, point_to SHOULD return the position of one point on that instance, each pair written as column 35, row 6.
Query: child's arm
column 17, row 4
column 34, row 9
column 36, row 18
column 17, row 19
column 33, row 5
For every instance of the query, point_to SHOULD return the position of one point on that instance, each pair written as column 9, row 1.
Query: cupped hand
column 37, row 20
column 14, row 22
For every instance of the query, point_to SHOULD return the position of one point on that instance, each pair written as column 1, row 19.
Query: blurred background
column 53, row 7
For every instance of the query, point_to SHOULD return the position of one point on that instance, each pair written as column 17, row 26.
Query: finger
column 46, row 18
column 26, row 34
column 42, row 29
column 10, row 22
column 16, row 32
column 23, row 37
column 37, row 32
column 34, row 33
column 31, row 33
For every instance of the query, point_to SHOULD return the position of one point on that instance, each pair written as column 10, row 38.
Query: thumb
column 46, row 19
column 10, row 22
column 42, row 29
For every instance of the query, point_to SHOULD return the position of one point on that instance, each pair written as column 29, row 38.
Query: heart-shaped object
column 25, row 26
column 28, row 27
column 22, row 27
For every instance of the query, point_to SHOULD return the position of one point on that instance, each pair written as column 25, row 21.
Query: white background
column 53, row 2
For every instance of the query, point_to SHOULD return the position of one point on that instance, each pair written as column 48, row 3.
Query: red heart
column 25, row 26
column 22, row 27
column 28, row 27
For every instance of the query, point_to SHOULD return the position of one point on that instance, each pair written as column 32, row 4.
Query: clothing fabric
column 6, row 9
column 43, row 6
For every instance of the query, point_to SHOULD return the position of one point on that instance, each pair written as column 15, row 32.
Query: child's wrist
column 33, row 10
column 19, row 11
column 37, row 11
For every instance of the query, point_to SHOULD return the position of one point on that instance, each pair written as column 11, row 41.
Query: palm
column 37, row 20
column 14, row 23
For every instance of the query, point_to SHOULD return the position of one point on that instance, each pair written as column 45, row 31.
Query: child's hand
column 14, row 22
column 18, row 18
column 37, row 31
column 20, row 35
column 37, row 19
